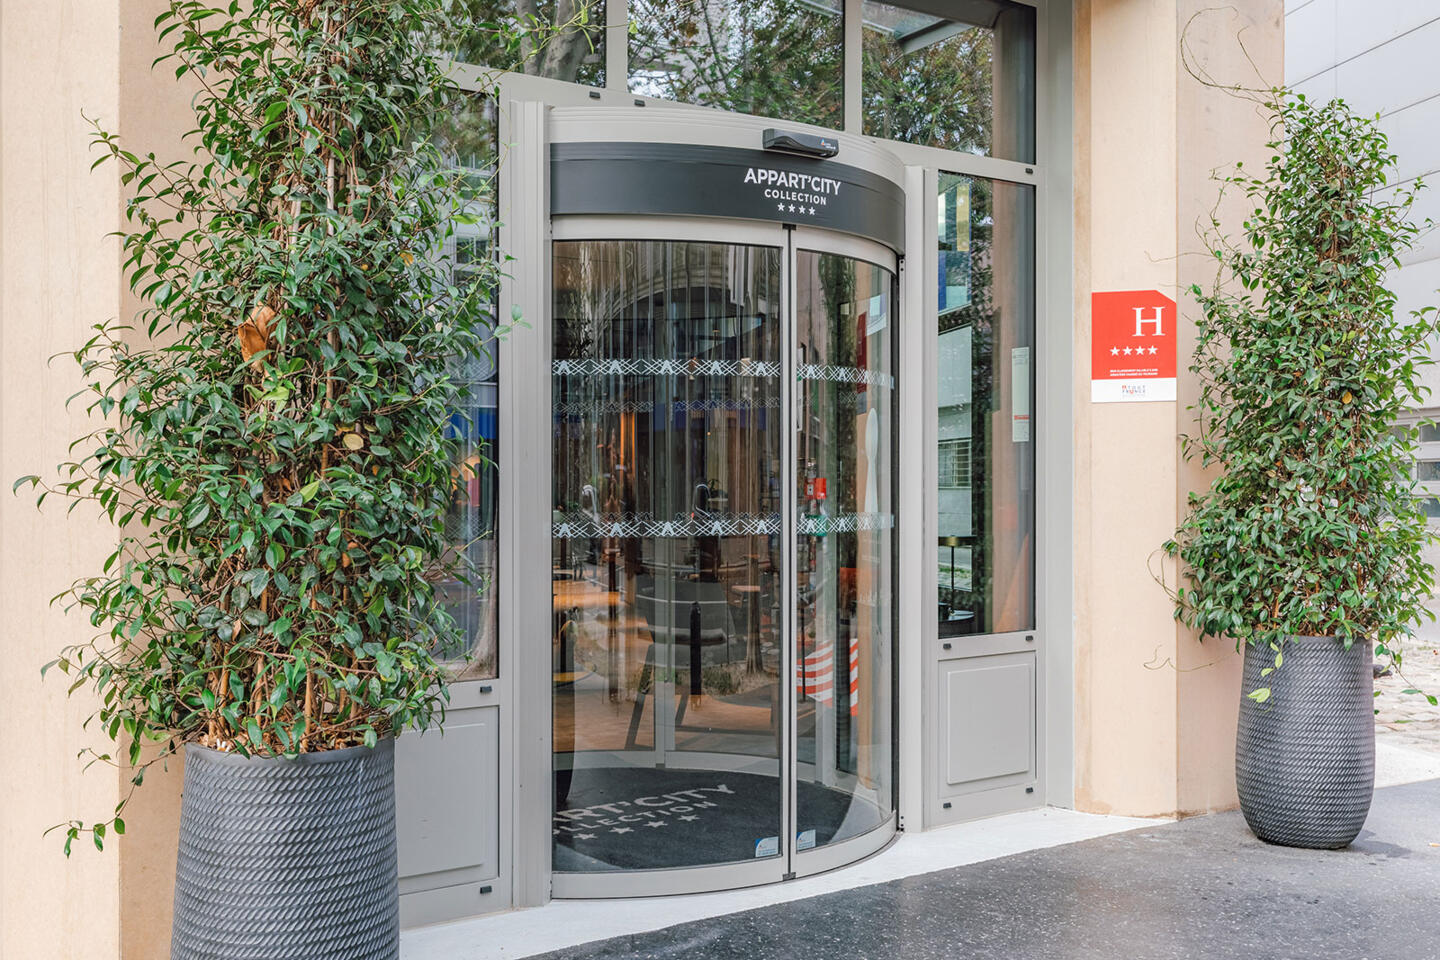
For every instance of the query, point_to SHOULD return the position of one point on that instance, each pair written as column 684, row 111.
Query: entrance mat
column 632, row 818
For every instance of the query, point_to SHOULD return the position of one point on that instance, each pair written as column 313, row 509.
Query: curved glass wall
column 666, row 554
column 844, row 555
column 671, row 644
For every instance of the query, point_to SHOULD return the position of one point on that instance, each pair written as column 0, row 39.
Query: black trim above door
column 708, row 181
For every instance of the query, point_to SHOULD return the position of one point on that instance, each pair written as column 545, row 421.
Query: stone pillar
column 1155, row 708
column 60, row 275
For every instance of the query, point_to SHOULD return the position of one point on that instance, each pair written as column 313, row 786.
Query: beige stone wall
column 59, row 274
column 1155, row 708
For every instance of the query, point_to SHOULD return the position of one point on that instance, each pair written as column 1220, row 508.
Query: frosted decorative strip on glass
column 581, row 527
column 652, row 367
column 835, row 374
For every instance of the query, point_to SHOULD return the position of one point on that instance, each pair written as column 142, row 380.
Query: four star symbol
column 1138, row 351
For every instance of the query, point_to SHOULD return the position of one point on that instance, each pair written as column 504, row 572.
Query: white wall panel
column 1362, row 25
column 1416, row 286
column 1309, row 39
column 1394, row 76
column 1414, row 136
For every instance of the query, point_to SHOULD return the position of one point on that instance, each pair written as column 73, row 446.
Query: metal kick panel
column 446, row 796
column 989, row 712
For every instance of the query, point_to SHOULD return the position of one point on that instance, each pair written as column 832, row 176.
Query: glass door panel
column 667, row 554
column 985, row 331
column 844, row 555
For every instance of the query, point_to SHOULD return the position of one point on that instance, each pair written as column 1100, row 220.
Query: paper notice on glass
column 1020, row 394
column 875, row 318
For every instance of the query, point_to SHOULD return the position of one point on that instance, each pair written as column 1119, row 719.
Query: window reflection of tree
column 980, row 317
column 937, row 96
column 771, row 58
column 558, row 39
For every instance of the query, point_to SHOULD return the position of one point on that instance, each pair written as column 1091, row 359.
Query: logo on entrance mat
column 628, row 816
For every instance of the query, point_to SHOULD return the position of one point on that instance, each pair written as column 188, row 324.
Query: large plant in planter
column 276, row 455
column 1306, row 549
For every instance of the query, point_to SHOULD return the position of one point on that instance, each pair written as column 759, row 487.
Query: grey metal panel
column 1054, row 402
column 525, row 403
column 447, row 797
column 716, row 181
column 989, row 718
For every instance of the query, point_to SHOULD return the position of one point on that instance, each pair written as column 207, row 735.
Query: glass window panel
column 964, row 84
column 1429, row 433
column 469, row 139
column 986, row 334
column 770, row 58
column 1428, row 471
column 1431, row 506
column 560, row 39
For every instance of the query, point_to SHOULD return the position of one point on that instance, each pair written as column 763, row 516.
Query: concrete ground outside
column 1198, row 888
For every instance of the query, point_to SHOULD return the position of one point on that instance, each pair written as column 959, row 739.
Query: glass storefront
column 725, row 499
column 771, row 58
column 965, row 84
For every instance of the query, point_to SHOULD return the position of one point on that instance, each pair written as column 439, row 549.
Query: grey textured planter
column 287, row 859
column 1305, row 758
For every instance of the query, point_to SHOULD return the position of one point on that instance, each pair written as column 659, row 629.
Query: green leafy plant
column 279, row 447
column 1311, row 527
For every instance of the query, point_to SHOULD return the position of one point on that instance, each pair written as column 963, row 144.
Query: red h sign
column 1132, row 346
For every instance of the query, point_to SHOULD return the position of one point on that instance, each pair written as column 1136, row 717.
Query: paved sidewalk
column 1408, row 719
column 1200, row 888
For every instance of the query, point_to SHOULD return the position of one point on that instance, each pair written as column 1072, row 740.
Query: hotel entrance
column 722, row 554
column 769, row 420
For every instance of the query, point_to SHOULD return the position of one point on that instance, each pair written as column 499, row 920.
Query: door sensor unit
column 805, row 144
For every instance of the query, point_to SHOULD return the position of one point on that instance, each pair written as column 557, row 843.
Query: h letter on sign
column 1140, row 322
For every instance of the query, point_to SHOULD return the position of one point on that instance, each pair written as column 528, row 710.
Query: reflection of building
column 769, row 573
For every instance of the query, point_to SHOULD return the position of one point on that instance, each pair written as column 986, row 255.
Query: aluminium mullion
column 789, row 403
column 617, row 46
